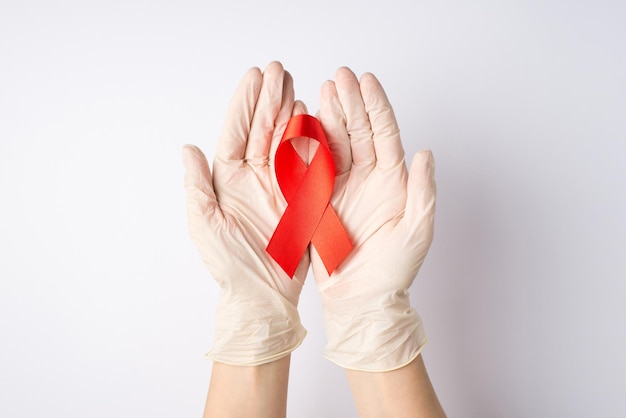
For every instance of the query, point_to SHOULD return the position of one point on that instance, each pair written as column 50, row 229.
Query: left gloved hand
column 232, row 215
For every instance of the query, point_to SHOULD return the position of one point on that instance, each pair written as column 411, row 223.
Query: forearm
column 404, row 392
column 248, row 391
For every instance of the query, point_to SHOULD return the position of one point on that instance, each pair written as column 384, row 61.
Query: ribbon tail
column 286, row 253
column 331, row 240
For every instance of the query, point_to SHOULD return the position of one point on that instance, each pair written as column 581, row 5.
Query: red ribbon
column 309, row 217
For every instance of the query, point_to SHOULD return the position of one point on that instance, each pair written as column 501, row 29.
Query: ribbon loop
column 309, row 217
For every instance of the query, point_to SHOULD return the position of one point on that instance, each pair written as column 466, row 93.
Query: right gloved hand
column 388, row 213
column 232, row 216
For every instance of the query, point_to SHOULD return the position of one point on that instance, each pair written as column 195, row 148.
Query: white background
column 105, row 307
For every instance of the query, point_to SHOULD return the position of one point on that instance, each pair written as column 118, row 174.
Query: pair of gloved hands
column 387, row 212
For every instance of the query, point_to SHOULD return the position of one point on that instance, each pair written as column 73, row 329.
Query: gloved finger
column 385, row 131
column 231, row 145
column 357, row 121
column 202, row 203
column 334, row 123
column 284, row 114
column 266, row 112
column 301, row 144
column 421, row 193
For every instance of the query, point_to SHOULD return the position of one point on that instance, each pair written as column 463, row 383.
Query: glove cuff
column 256, row 329
column 375, row 339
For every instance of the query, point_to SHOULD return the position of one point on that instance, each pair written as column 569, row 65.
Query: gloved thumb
column 421, row 193
column 201, row 199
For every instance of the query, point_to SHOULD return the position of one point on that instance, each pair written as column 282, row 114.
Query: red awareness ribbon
column 309, row 217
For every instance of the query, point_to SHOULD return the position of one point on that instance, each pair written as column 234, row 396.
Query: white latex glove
column 232, row 216
column 388, row 214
